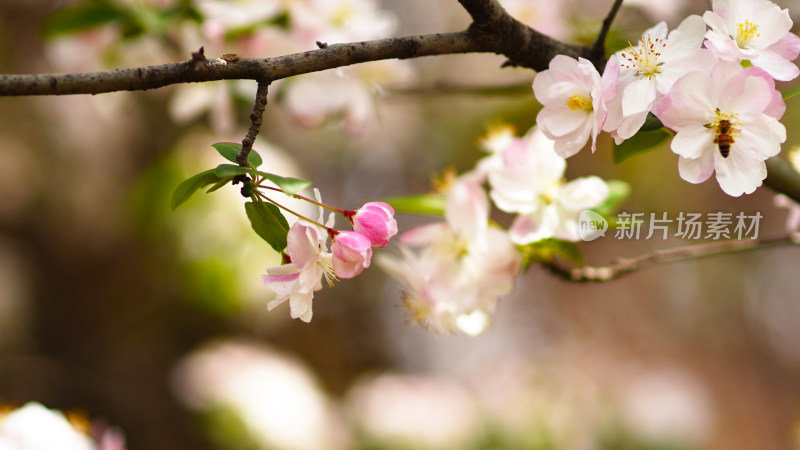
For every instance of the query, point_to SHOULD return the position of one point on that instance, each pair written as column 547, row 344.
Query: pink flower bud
column 352, row 253
column 375, row 220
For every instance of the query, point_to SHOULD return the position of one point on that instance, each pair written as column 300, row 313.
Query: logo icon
column 591, row 225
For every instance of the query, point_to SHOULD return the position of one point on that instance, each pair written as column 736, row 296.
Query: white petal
column 583, row 193
column 776, row 65
column 716, row 23
column 773, row 24
column 629, row 126
column 638, row 96
column 738, row 173
column 696, row 170
column 747, row 93
column 699, row 60
column 572, row 143
column 561, row 121
column 300, row 306
column 761, row 137
column 688, row 35
column 541, row 85
column 691, row 142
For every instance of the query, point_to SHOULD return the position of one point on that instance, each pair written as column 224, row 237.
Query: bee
column 723, row 138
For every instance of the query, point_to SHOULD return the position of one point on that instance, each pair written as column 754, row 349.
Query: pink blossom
column 352, row 253
column 574, row 97
column 375, row 220
column 754, row 30
column 298, row 280
column 649, row 70
column 741, row 104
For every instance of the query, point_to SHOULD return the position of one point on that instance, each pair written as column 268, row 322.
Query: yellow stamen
column 745, row 32
column 644, row 59
column 579, row 102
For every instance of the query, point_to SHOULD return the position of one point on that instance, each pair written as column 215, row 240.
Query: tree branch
column 276, row 68
column 624, row 266
column 599, row 46
column 534, row 50
column 524, row 46
column 782, row 177
column 256, row 117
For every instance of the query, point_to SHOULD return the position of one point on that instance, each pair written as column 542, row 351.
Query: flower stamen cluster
column 745, row 32
column 646, row 58
column 580, row 102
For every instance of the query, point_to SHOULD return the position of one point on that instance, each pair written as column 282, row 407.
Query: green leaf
column 639, row 143
column 189, row 186
column 288, row 185
column 618, row 192
column 255, row 159
column 546, row 249
column 230, row 170
column 229, row 150
column 791, row 93
column 219, row 184
column 429, row 204
column 268, row 222
column 79, row 17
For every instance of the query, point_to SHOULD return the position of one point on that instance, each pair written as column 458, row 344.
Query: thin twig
column 599, row 46
column 256, row 117
column 624, row 266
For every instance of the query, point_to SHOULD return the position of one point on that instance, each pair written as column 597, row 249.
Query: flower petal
column 696, row 170
column 739, row 173
column 690, row 142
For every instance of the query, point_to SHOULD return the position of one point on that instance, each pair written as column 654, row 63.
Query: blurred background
column 155, row 321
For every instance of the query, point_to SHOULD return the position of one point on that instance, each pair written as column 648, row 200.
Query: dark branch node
column 199, row 59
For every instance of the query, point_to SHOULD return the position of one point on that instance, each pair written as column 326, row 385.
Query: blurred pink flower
column 793, row 218
column 462, row 266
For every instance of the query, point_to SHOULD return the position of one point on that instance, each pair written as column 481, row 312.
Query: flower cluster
column 526, row 177
column 309, row 259
column 461, row 266
column 455, row 271
column 725, row 116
